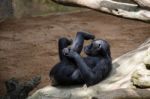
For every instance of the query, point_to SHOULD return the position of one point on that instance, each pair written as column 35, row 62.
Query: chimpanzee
column 15, row 90
column 74, row 69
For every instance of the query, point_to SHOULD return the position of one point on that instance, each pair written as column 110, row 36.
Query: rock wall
column 38, row 7
column 27, row 8
column 6, row 9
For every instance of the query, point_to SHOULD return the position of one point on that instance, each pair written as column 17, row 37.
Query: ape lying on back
column 75, row 69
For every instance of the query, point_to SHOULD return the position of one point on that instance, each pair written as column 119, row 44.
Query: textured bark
column 123, row 9
column 143, row 3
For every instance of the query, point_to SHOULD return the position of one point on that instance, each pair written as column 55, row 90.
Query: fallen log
column 127, row 10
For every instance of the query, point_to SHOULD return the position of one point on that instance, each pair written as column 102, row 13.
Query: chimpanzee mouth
column 86, row 50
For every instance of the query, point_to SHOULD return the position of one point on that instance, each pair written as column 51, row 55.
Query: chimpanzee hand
column 70, row 53
column 86, row 35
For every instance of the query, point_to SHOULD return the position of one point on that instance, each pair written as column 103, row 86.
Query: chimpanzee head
column 98, row 48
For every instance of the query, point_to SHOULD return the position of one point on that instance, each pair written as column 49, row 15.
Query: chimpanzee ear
column 11, row 85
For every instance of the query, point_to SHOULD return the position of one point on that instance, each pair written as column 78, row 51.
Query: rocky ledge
column 129, row 70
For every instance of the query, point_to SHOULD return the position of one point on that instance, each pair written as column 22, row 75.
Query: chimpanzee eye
column 99, row 45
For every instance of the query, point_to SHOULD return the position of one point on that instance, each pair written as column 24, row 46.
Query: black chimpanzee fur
column 74, row 69
column 15, row 90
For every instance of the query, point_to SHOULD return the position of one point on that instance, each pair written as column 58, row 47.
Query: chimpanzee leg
column 11, row 85
column 79, row 41
column 59, row 73
column 63, row 43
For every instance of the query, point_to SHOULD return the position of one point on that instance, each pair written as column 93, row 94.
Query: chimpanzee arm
column 96, row 74
column 63, row 43
column 78, row 42
column 87, row 73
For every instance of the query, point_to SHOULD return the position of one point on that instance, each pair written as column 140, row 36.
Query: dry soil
column 28, row 46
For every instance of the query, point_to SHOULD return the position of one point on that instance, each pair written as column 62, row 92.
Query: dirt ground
column 28, row 46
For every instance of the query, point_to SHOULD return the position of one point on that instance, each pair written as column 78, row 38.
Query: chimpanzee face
column 97, row 48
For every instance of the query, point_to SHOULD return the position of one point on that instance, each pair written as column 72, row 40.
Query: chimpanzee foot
column 66, row 50
column 86, row 35
column 65, row 41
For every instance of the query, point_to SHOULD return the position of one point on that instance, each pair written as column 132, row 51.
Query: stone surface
column 26, row 8
column 120, row 77
column 6, row 9
column 141, row 76
column 147, row 59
